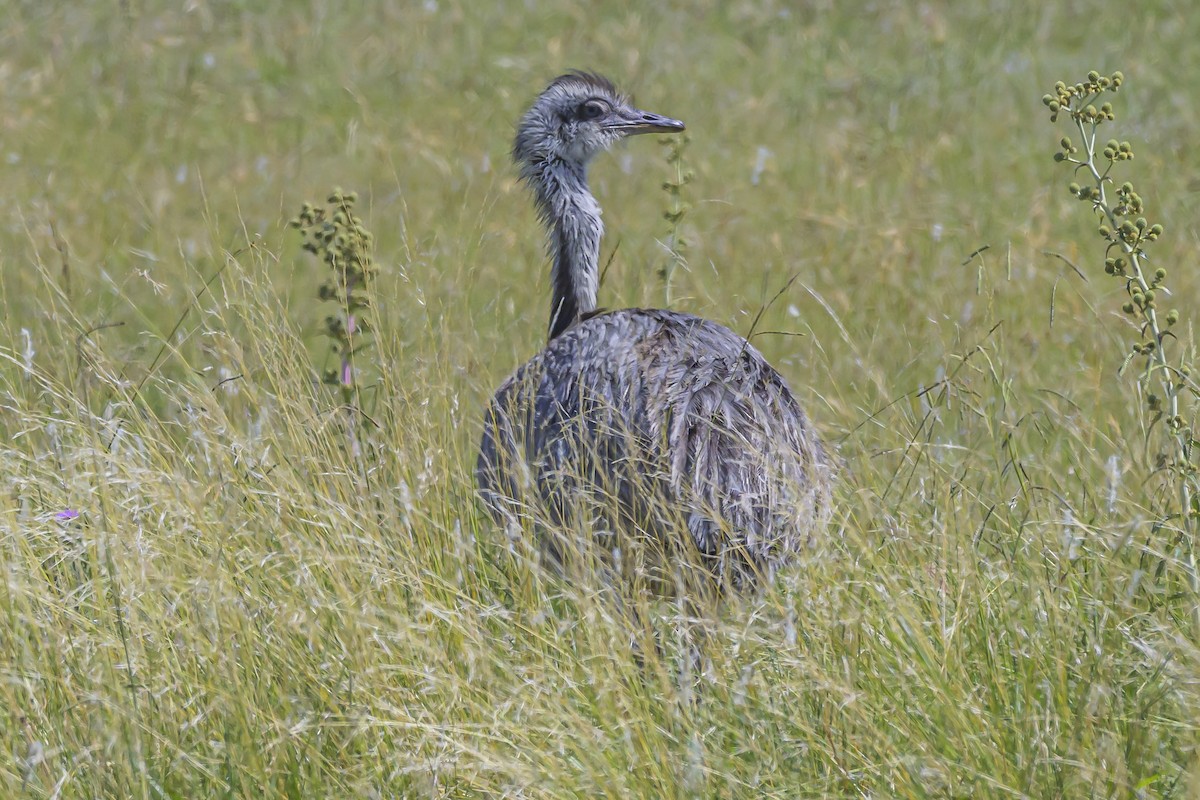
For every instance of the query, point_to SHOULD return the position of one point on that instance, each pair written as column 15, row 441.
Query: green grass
column 244, row 610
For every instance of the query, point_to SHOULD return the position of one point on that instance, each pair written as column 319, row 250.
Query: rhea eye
column 591, row 109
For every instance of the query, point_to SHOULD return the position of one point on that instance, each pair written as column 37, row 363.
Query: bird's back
column 656, row 422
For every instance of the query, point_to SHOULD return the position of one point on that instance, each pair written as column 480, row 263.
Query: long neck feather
column 572, row 216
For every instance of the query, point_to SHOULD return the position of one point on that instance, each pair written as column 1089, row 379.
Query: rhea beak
column 631, row 121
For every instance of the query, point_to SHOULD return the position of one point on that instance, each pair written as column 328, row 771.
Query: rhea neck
column 572, row 215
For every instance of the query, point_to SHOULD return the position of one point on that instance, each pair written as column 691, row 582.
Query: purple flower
column 66, row 515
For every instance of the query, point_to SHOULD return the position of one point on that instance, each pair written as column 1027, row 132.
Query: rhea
column 645, row 429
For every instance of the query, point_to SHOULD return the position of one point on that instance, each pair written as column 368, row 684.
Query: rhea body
column 648, row 424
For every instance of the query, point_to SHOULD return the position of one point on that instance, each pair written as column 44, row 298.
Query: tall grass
column 237, row 606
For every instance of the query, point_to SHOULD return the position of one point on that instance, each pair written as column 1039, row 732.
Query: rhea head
column 579, row 115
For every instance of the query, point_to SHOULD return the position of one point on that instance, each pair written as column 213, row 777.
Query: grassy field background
column 243, row 609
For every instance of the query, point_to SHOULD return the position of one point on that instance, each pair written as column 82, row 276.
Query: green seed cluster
column 1123, row 225
column 676, row 146
column 337, row 236
column 1066, row 151
column 1135, row 233
column 1117, row 151
column 1084, row 192
column 677, row 210
column 1077, row 100
column 1129, row 202
column 334, row 233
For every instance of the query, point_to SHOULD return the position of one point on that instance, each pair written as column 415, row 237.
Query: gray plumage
column 641, row 423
